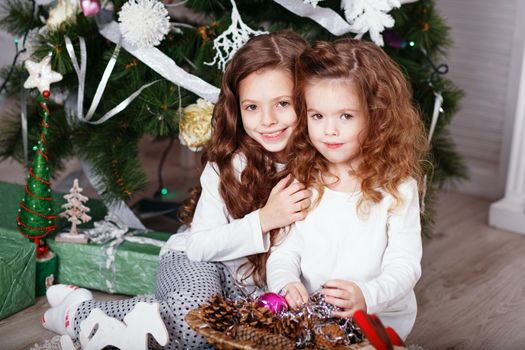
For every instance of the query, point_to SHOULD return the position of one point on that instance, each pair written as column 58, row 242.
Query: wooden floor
column 471, row 294
column 472, row 291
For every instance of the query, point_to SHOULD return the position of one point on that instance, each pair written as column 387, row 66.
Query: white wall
column 485, row 62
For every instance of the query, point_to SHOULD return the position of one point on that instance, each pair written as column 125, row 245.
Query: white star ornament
column 41, row 75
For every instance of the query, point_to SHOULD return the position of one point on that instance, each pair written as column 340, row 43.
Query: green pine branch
column 16, row 81
column 58, row 139
column 15, row 16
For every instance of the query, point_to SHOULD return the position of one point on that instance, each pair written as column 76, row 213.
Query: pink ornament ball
column 272, row 301
column 90, row 7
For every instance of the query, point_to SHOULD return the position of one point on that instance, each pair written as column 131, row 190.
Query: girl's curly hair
column 394, row 144
column 268, row 51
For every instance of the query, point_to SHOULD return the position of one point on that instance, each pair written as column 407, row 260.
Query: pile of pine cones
column 244, row 320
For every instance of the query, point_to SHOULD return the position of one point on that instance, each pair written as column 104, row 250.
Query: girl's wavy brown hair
column 394, row 143
column 268, row 51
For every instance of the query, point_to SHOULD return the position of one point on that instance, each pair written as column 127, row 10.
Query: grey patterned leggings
column 181, row 286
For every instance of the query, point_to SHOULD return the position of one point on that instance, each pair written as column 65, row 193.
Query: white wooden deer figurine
column 131, row 334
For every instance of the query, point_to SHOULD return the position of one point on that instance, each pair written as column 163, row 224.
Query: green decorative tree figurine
column 36, row 217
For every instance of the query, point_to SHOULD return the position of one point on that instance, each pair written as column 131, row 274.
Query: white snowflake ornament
column 370, row 16
column 227, row 44
column 41, row 75
column 144, row 23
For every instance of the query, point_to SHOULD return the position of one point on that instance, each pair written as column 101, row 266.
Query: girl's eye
column 346, row 116
column 316, row 116
column 250, row 107
column 283, row 104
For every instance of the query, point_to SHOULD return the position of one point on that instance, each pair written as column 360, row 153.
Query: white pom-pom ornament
column 144, row 23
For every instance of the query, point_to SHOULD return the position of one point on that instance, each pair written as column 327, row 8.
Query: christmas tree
column 151, row 86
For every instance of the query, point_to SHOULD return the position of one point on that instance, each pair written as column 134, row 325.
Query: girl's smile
column 274, row 136
column 331, row 145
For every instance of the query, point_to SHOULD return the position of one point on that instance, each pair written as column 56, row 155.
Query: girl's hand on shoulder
column 287, row 203
column 344, row 294
column 295, row 294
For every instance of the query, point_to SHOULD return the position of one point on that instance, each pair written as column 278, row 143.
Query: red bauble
column 272, row 301
column 42, row 251
column 46, row 94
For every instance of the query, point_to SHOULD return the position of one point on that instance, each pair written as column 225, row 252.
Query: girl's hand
column 345, row 294
column 286, row 204
column 295, row 294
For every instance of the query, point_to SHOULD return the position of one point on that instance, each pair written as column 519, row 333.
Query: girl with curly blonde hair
column 358, row 145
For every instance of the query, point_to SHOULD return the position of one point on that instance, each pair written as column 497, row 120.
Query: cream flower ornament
column 64, row 10
column 41, row 75
column 195, row 125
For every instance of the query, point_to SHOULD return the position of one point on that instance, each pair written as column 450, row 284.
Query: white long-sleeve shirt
column 214, row 234
column 381, row 253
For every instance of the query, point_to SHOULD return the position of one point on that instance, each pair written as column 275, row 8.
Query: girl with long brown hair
column 241, row 200
column 244, row 197
column 358, row 145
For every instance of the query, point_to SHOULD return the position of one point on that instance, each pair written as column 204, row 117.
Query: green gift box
column 17, row 273
column 11, row 195
column 132, row 272
column 17, row 256
column 86, row 265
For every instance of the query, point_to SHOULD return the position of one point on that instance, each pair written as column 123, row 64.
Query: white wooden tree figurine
column 76, row 213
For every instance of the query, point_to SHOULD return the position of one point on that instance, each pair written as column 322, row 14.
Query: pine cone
column 329, row 335
column 219, row 313
column 293, row 328
column 256, row 316
column 261, row 337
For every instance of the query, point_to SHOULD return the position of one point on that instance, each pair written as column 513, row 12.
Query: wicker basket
column 223, row 342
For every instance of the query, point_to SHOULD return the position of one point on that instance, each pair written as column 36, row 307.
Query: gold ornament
column 134, row 62
column 208, row 32
column 203, row 33
column 195, row 125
